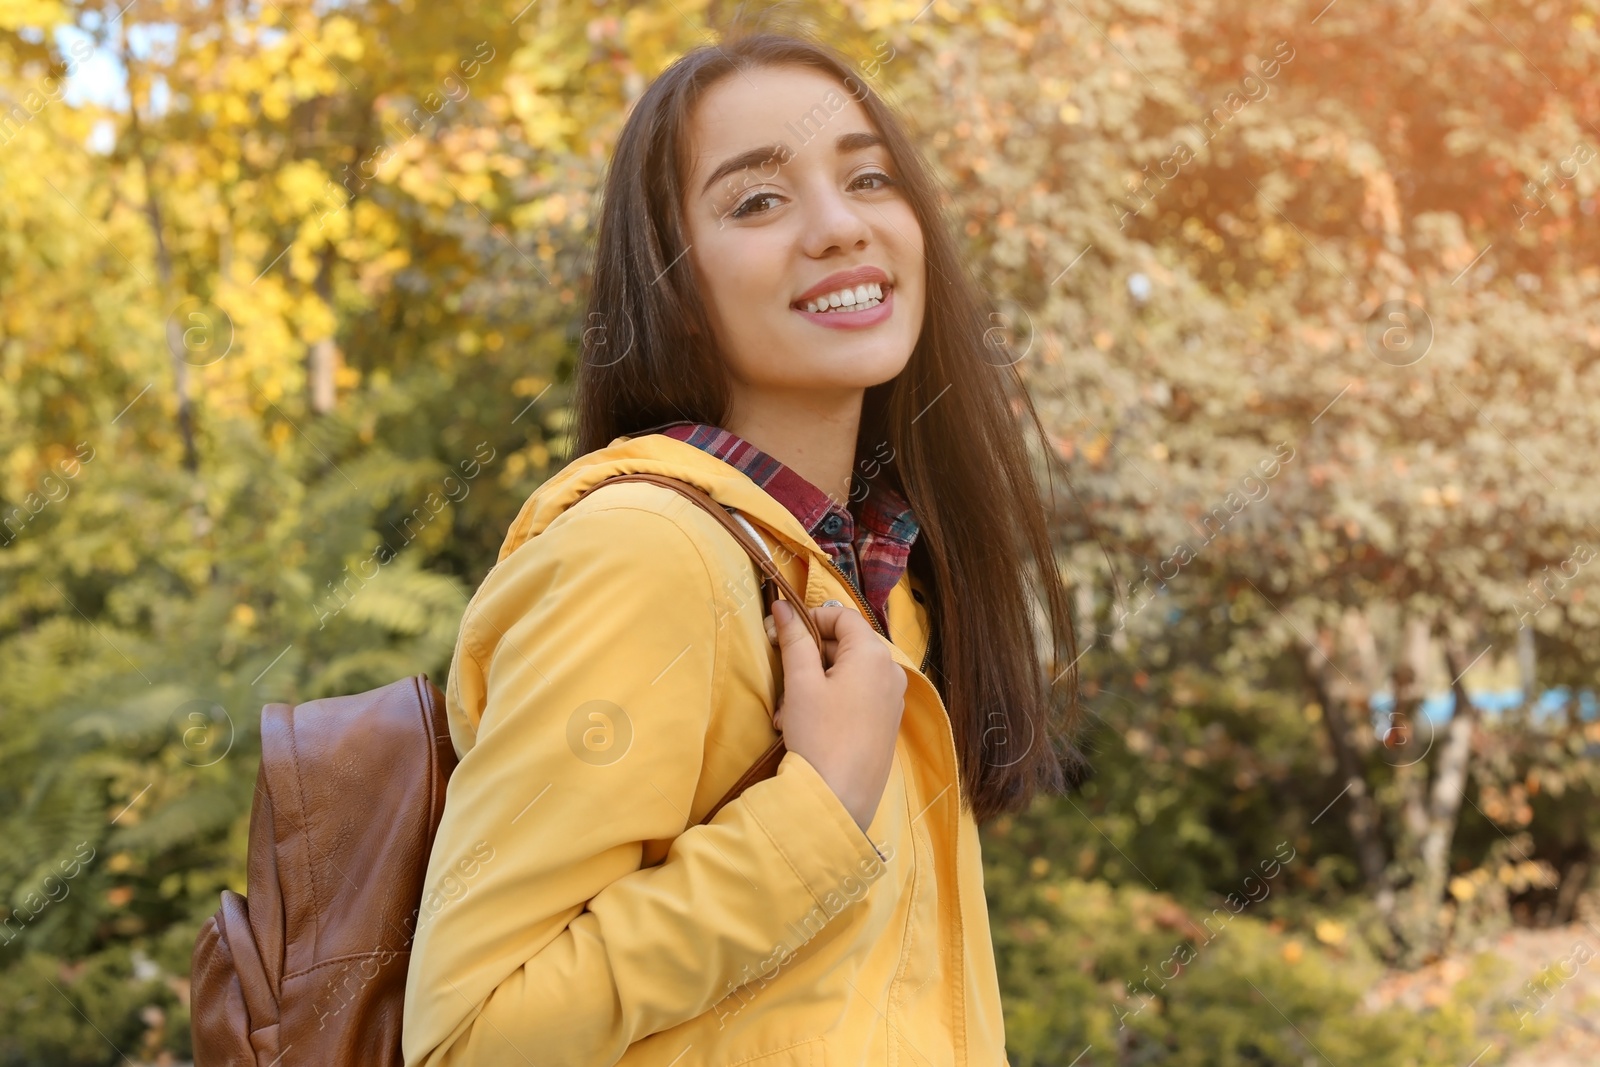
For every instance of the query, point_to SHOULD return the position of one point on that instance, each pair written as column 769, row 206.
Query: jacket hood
column 657, row 454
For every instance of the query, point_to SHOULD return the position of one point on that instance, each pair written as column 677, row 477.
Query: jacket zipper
column 956, row 850
column 866, row 610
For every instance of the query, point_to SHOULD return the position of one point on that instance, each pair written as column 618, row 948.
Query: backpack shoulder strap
column 773, row 585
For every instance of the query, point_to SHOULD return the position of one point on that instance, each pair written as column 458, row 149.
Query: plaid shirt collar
column 872, row 558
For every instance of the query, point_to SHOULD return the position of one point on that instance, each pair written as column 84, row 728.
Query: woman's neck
column 813, row 436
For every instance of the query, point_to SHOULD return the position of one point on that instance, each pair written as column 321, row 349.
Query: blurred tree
column 1307, row 296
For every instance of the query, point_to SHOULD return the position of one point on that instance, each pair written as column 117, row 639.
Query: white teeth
column 859, row 298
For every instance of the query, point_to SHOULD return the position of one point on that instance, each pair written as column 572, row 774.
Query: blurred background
column 1307, row 294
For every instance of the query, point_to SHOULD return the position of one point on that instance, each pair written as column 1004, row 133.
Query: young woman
column 780, row 318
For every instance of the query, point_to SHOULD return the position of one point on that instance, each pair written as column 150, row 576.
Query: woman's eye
column 750, row 206
column 744, row 209
column 876, row 174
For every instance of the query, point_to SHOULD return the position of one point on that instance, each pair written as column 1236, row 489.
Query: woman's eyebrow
column 756, row 157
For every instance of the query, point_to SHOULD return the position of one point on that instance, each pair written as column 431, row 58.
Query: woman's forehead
column 799, row 109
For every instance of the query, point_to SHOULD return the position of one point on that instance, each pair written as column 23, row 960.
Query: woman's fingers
column 802, row 659
column 830, row 644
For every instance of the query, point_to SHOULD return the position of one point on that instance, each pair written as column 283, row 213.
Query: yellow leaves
column 303, row 185
column 1195, row 230
column 274, row 103
column 510, row 166
column 1448, row 497
column 877, row 14
column 342, row 38
column 312, row 319
column 1462, row 889
column 303, row 64
column 473, row 161
column 302, row 263
column 1275, row 243
column 545, row 123
column 1293, row 951
column 1055, row 90
column 269, row 63
column 374, row 271
column 1506, row 806
column 475, row 189
column 536, row 458
column 15, row 14
column 376, row 224
column 230, row 107
column 427, row 182
column 1330, row 932
column 305, row 75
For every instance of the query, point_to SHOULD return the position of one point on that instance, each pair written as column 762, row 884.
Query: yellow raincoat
column 611, row 681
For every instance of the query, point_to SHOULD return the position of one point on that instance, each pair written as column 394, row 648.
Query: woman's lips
column 853, row 320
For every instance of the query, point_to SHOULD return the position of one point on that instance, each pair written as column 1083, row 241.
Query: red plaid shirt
column 873, row 559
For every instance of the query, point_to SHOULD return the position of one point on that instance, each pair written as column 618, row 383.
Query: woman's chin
column 845, row 373
column 840, row 361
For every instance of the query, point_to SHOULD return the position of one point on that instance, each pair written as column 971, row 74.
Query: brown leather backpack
column 311, row 967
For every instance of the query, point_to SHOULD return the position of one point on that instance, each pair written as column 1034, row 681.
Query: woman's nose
column 835, row 223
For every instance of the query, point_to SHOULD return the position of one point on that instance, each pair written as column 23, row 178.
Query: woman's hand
column 844, row 718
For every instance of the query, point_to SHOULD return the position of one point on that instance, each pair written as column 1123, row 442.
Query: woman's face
column 792, row 201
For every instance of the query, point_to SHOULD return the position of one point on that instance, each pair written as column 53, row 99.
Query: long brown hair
column 952, row 418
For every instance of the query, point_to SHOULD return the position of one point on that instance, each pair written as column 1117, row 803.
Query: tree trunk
column 322, row 361
column 1572, row 886
column 1360, row 811
column 1358, row 637
column 1449, row 782
column 1410, row 689
column 168, row 291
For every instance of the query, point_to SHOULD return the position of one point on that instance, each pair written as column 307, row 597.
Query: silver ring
column 833, row 604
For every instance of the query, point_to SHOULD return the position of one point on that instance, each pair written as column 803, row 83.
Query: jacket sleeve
column 540, row 939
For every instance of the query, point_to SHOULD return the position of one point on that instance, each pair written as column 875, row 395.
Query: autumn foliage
column 1307, row 294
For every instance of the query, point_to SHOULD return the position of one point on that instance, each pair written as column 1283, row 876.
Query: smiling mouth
column 860, row 298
